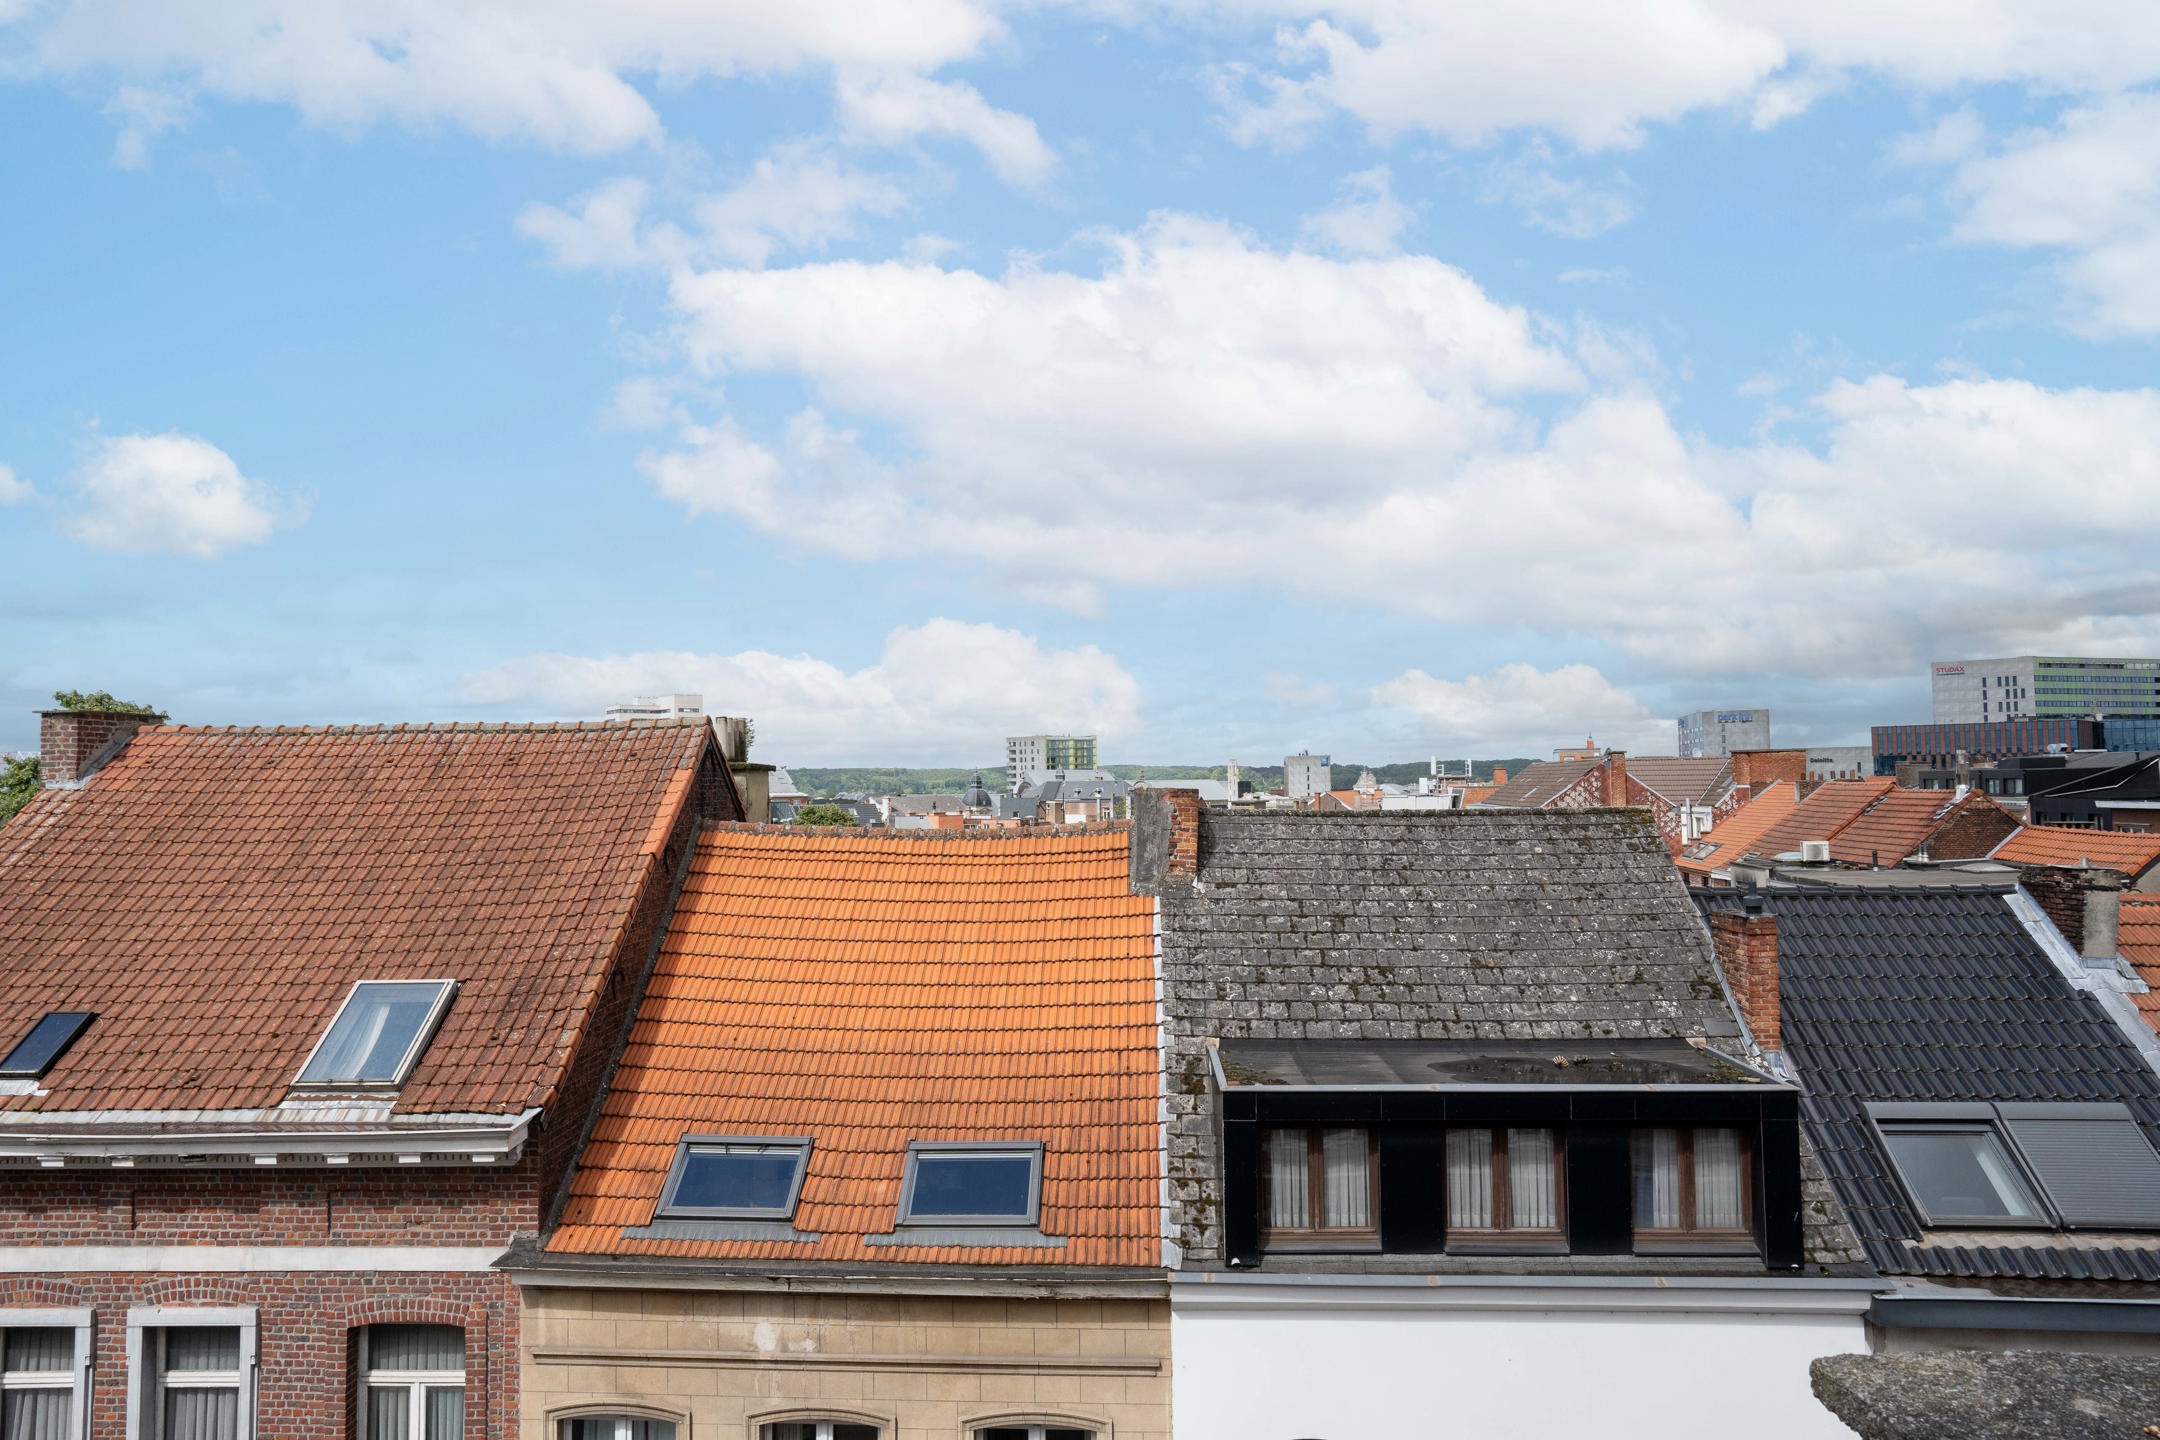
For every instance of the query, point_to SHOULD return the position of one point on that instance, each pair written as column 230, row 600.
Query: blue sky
column 1225, row 377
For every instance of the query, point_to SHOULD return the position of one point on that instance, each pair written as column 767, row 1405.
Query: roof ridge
column 829, row 833
column 445, row 727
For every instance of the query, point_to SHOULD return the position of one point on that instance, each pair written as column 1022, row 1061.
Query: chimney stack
column 1616, row 777
column 1184, row 833
column 1747, row 951
column 74, row 744
column 1499, row 775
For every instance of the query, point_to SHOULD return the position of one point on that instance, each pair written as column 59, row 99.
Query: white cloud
column 603, row 233
column 894, row 108
column 558, row 73
column 14, row 490
column 2087, row 188
column 1521, row 705
column 1551, row 201
column 1205, row 411
column 943, row 690
column 143, row 113
column 1368, row 221
column 1597, row 74
column 174, row 494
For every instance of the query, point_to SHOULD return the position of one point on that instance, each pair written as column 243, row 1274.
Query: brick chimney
column 1747, row 951
column 2084, row 903
column 1184, row 859
column 73, row 744
column 1616, row 777
column 1759, row 769
column 1499, row 775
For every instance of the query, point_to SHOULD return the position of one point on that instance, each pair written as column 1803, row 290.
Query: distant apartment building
column 1027, row 754
column 1939, row 745
column 659, row 707
column 1307, row 776
column 2029, row 687
column 1840, row 762
column 1707, row 733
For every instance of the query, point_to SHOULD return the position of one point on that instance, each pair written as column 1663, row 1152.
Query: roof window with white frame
column 378, row 1034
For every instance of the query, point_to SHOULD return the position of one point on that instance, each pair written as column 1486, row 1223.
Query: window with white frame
column 378, row 1033
column 1034, row 1432
column 415, row 1382
column 43, row 1359
column 614, row 1427
column 199, row 1382
column 817, row 1430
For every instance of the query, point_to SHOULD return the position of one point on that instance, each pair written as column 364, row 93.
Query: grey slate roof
column 1936, row 995
column 1438, row 925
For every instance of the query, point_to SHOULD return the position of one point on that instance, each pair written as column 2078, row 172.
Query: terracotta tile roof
column 1896, row 825
column 1822, row 815
column 1736, row 835
column 214, row 893
column 871, row 990
column 2139, row 941
column 2119, row 850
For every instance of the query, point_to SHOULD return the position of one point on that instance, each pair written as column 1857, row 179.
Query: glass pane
column 1289, row 1206
column 956, row 1184
column 616, row 1427
column 1717, row 1179
column 35, row 1414
column 1964, row 1175
column 201, row 1347
column 416, row 1347
column 373, row 1031
column 446, row 1412
column 51, row 1035
column 738, row 1177
column 1006, row 1432
column 44, row 1347
column 1055, row 1433
column 854, row 1432
column 389, row 1414
column 1657, row 1179
column 1469, row 1179
column 1533, row 1199
column 205, row 1414
column 1346, row 1173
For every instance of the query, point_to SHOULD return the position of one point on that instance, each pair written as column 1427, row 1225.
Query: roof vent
column 1815, row 852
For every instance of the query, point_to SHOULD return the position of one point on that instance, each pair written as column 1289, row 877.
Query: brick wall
column 1758, row 768
column 72, row 741
column 1747, row 953
column 305, row 1326
column 1971, row 831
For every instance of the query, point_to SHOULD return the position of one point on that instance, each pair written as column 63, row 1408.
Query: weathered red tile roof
column 1701, row 782
column 2138, row 938
column 1833, row 805
column 1736, row 835
column 867, row 991
column 1895, row 826
column 2132, row 854
column 1538, row 784
column 213, row 893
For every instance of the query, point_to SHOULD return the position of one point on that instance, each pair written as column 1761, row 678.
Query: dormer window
column 378, row 1034
column 38, row 1051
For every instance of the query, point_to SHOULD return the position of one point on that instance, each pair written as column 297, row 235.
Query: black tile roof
column 1934, row 995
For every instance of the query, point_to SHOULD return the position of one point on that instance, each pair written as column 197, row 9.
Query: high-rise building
column 2043, row 687
column 1025, row 754
column 1706, row 733
column 1306, row 776
column 659, row 707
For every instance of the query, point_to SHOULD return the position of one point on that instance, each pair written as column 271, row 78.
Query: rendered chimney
column 73, row 744
column 1747, row 951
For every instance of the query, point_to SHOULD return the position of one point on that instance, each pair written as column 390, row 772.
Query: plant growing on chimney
column 825, row 815
column 18, row 782
column 103, row 700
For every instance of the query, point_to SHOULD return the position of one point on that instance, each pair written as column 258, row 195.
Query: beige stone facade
column 723, row 1362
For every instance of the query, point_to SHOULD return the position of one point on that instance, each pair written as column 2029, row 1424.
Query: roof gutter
column 482, row 1143
column 1942, row 1311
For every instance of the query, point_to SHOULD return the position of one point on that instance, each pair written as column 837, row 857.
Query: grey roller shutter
column 2097, row 1165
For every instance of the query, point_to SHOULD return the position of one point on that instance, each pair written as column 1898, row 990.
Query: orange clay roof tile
column 872, row 990
column 1736, row 835
column 2139, row 941
column 2119, row 850
column 213, row 893
column 1895, row 826
column 1828, row 810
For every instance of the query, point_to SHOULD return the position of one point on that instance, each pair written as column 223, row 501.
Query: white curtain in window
column 35, row 1414
column 1289, row 1205
column 1717, row 1179
column 201, row 1414
column 1533, row 1200
column 38, row 1348
column 1657, row 1179
column 1469, row 1179
column 446, row 1413
column 1347, row 1173
column 389, row 1417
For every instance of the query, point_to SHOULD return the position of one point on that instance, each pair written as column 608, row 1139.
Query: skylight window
column 2044, row 1164
column 379, row 1033
column 1962, row 1174
column 971, row 1184
column 736, row 1177
column 47, row 1041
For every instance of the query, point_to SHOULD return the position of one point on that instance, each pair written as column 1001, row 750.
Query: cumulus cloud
column 1596, row 74
column 894, row 108
column 1521, row 705
column 1552, row 201
column 1369, row 220
column 1381, row 431
column 939, row 691
column 2086, row 189
column 558, row 73
column 14, row 490
column 174, row 494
